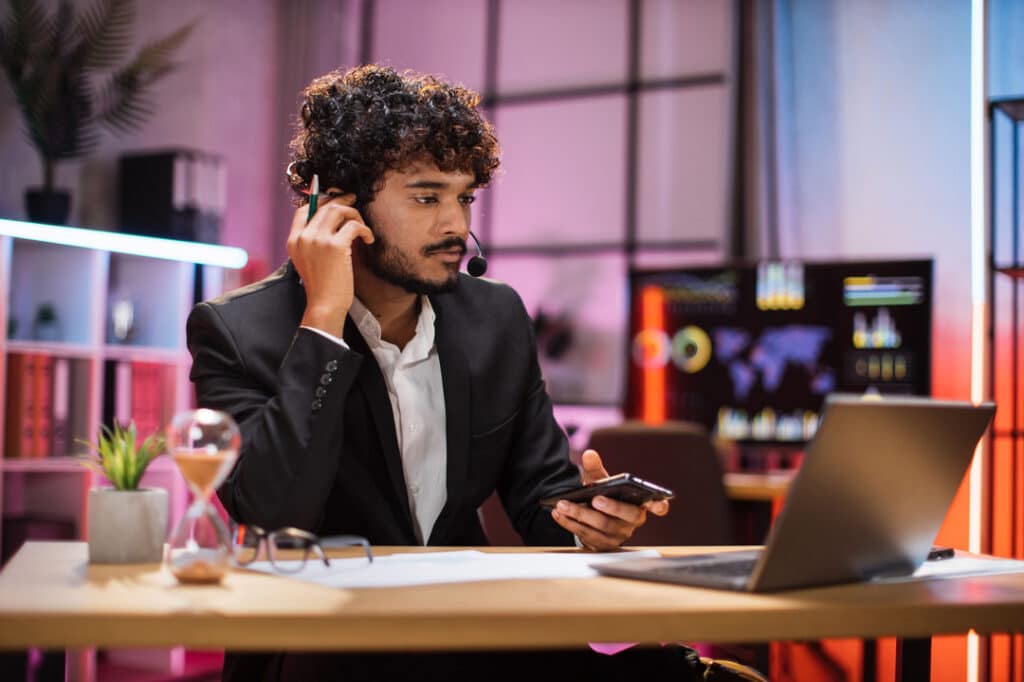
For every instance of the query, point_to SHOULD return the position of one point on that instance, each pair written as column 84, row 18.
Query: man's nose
column 454, row 219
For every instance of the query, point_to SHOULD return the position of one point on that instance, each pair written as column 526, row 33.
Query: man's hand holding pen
column 320, row 247
column 607, row 523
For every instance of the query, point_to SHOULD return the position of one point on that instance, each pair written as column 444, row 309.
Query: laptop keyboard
column 725, row 568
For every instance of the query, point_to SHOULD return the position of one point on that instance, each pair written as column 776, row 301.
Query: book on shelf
column 42, row 389
column 19, row 410
column 60, row 421
column 45, row 408
column 138, row 391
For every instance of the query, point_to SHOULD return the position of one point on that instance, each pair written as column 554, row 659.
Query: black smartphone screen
column 623, row 487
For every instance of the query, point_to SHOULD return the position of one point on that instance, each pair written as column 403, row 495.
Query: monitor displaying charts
column 751, row 351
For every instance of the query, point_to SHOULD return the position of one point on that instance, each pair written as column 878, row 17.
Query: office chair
column 679, row 456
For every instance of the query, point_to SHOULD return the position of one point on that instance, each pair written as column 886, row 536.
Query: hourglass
column 204, row 444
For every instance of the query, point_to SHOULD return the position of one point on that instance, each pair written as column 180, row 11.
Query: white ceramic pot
column 127, row 526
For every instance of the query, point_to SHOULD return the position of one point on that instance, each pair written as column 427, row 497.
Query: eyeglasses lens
column 246, row 545
column 283, row 552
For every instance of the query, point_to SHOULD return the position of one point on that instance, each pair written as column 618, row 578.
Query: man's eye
column 426, row 200
column 468, row 199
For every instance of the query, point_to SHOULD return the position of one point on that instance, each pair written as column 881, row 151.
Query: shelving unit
column 1004, row 464
column 82, row 274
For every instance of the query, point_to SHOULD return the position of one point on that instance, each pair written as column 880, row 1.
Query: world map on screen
column 769, row 355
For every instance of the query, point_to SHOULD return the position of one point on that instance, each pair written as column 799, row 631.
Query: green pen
column 314, row 195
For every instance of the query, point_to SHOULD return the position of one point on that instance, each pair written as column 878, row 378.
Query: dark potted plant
column 67, row 82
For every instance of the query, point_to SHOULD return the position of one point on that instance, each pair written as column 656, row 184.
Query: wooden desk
column 50, row 597
column 757, row 487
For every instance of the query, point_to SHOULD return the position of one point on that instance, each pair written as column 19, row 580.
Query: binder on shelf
column 60, row 419
column 19, row 413
column 47, row 405
column 147, row 396
column 176, row 193
column 140, row 392
column 42, row 403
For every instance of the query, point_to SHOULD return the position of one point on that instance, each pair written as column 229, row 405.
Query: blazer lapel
column 455, row 379
column 371, row 382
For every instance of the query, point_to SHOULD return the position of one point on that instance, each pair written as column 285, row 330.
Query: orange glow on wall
column 652, row 316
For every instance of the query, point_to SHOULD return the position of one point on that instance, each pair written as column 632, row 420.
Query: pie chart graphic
column 651, row 348
column 691, row 349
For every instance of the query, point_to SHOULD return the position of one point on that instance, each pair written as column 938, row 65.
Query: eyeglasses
column 246, row 541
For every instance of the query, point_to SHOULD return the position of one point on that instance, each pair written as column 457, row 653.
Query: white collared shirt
column 416, row 392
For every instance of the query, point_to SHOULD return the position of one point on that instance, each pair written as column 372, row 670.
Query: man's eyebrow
column 434, row 184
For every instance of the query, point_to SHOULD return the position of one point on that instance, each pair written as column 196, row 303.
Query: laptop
column 868, row 500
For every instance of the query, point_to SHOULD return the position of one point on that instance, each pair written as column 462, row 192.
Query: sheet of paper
column 959, row 566
column 426, row 568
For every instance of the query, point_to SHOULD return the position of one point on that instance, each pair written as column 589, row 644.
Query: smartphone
column 624, row 487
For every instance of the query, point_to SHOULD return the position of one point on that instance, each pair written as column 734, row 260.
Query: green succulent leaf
column 118, row 455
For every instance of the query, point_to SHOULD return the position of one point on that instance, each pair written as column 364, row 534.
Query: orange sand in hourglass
column 203, row 471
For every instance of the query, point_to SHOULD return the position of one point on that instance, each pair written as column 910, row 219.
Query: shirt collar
column 419, row 346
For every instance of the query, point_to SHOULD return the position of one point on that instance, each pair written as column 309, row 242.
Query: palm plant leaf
column 19, row 39
column 105, row 31
column 51, row 59
column 123, row 104
column 67, row 130
column 124, row 101
column 154, row 59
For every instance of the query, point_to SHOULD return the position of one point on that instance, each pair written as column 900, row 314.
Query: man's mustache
column 447, row 245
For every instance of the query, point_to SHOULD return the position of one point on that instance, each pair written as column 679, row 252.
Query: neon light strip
column 132, row 244
column 652, row 316
column 979, row 194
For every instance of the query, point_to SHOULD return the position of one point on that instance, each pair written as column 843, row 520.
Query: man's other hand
column 607, row 523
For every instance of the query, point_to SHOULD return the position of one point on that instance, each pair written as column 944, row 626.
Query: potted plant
column 126, row 524
column 66, row 80
column 46, row 326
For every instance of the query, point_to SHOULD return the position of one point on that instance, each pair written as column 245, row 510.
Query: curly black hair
column 356, row 125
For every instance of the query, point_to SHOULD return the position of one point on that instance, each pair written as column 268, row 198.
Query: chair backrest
column 679, row 456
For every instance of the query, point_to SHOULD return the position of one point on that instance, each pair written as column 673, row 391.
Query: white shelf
column 43, row 465
column 82, row 273
column 55, row 348
column 116, row 242
column 128, row 352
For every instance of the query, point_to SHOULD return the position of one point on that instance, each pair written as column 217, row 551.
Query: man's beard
column 392, row 265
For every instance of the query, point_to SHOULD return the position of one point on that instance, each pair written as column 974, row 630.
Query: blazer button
column 317, row 404
column 332, row 366
column 325, row 379
column 320, row 391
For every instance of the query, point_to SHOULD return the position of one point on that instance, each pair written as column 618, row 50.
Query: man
column 379, row 391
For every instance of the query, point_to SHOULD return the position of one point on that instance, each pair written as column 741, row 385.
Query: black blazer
column 318, row 441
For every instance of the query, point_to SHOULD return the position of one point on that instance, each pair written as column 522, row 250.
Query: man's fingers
column 593, row 468
column 590, row 537
column 332, row 216
column 629, row 513
column 658, row 507
column 353, row 230
column 610, row 526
